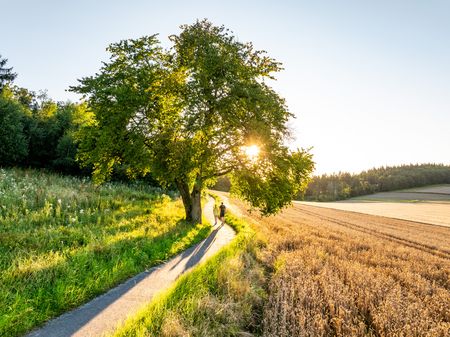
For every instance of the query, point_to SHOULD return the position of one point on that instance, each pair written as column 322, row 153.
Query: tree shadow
column 198, row 251
column 69, row 323
column 97, row 260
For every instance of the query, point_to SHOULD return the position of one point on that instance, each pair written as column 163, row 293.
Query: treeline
column 38, row 132
column 330, row 187
column 35, row 130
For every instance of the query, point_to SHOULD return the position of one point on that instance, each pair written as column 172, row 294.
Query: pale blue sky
column 369, row 81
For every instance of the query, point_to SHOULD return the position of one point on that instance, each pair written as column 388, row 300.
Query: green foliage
column 272, row 182
column 70, row 118
column 345, row 185
column 64, row 241
column 39, row 132
column 13, row 140
column 222, row 297
column 184, row 114
column 129, row 105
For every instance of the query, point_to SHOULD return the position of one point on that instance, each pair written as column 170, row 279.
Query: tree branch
column 220, row 173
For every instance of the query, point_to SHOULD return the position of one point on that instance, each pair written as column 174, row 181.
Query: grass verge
column 64, row 241
column 222, row 297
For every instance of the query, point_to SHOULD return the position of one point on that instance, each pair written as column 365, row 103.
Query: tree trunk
column 191, row 201
column 196, row 210
column 183, row 188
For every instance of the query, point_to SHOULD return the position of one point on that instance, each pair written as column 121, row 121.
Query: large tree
column 187, row 114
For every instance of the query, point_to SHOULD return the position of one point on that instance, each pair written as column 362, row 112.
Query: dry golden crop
column 338, row 273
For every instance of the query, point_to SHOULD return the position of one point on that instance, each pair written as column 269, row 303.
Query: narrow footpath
column 104, row 313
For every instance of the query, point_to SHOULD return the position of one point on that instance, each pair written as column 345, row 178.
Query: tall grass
column 64, row 241
column 222, row 297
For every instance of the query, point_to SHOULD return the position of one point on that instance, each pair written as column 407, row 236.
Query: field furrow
column 375, row 231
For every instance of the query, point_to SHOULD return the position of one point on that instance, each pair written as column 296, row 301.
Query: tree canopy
column 185, row 114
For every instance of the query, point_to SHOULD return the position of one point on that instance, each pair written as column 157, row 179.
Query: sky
column 368, row 81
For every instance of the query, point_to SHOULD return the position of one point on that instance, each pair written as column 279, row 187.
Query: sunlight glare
column 251, row 151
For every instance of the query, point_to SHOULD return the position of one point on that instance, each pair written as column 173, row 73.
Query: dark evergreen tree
column 6, row 74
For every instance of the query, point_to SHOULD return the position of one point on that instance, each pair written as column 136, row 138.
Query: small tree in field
column 185, row 115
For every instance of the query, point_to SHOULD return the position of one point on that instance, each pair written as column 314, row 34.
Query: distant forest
column 330, row 187
column 343, row 185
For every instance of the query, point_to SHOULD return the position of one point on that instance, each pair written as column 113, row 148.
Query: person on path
column 222, row 212
column 216, row 213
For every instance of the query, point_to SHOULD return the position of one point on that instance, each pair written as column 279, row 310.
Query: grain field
column 338, row 273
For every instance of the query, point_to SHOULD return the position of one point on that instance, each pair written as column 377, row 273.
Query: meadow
column 64, row 240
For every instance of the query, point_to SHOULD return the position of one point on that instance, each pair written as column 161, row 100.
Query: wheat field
column 337, row 273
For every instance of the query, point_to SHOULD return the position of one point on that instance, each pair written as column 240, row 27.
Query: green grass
column 222, row 297
column 63, row 241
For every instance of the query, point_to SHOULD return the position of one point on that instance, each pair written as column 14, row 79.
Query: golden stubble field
column 429, row 204
column 338, row 273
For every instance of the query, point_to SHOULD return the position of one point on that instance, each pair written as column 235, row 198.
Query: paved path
column 104, row 313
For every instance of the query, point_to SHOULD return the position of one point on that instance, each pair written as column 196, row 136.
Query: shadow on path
column 104, row 313
column 197, row 252
column 69, row 323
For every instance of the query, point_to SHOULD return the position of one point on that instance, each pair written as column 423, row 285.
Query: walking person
column 223, row 208
column 216, row 213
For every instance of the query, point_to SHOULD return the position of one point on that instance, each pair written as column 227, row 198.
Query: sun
column 251, row 151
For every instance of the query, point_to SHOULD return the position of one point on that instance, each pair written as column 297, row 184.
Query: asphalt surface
column 103, row 314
